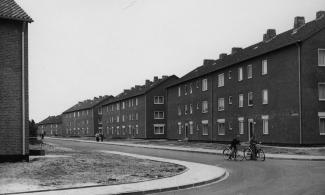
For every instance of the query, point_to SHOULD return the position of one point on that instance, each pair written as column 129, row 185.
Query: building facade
column 14, row 134
column 51, row 126
column 139, row 112
column 273, row 91
column 84, row 118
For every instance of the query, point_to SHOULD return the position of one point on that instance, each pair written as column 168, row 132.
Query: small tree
column 32, row 129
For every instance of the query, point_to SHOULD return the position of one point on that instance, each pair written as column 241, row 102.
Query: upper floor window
column 321, row 91
column 179, row 91
column 265, row 96
column 241, row 100
column 159, row 100
column 221, row 80
column 117, row 106
column 221, row 104
column 159, row 115
column 179, row 110
column 197, row 83
column 321, row 57
column 204, row 84
column 123, row 105
column 130, row 103
column 185, row 109
column 136, row 101
column 240, row 73
column 264, row 67
column 99, row 110
column 185, row 89
column 230, row 99
column 204, row 106
column 265, row 119
column 191, row 108
column 249, row 71
column 190, row 88
column 250, row 99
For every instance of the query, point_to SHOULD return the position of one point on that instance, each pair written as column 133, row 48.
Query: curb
column 321, row 158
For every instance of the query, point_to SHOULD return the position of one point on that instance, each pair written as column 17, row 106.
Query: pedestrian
column 97, row 137
column 233, row 147
column 252, row 145
column 101, row 137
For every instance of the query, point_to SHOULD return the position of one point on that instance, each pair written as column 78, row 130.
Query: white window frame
column 241, row 125
column 319, row 98
column 221, row 121
column 264, row 67
column 205, row 122
column 179, row 125
column 241, row 100
column 320, row 49
column 240, row 74
column 191, row 127
column 157, row 115
column 250, row 94
column 191, row 109
column 265, row 96
column 265, row 120
column 203, row 106
column 221, row 104
column 157, row 100
column 321, row 115
column 249, row 71
column 190, row 88
column 179, row 91
column 136, row 101
column 204, row 84
column 221, row 80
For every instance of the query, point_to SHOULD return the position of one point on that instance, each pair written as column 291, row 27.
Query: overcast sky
column 79, row 49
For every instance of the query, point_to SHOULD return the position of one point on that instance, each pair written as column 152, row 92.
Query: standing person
column 252, row 145
column 97, row 137
column 101, row 136
column 233, row 147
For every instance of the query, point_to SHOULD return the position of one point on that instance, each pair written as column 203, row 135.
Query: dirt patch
column 80, row 168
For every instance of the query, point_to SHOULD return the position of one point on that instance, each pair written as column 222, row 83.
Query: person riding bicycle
column 233, row 147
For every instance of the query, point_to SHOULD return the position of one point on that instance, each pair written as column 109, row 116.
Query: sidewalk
column 199, row 150
column 195, row 175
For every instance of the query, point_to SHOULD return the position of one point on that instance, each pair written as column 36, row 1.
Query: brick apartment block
column 84, row 118
column 273, row 90
column 14, row 134
column 139, row 112
column 51, row 126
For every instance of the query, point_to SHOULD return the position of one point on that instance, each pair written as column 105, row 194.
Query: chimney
column 320, row 14
column 164, row 77
column 235, row 50
column 270, row 33
column 222, row 55
column 100, row 97
column 95, row 98
column 147, row 82
column 299, row 21
column 155, row 78
column 207, row 62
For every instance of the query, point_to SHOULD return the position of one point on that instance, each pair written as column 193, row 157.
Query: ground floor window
column 321, row 116
column 191, row 127
column 265, row 119
column 241, row 125
column 159, row 128
column 221, row 126
column 179, row 124
column 205, row 127
column 136, row 129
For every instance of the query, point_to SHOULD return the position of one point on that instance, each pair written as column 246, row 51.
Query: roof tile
column 9, row 9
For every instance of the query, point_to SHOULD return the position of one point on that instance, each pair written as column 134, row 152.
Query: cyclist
column 233, row 147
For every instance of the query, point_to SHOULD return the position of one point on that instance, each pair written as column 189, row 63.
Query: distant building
column 51, row 126
column 273, row 90
column 139, row 112
column 14, row 134
column 84, row 118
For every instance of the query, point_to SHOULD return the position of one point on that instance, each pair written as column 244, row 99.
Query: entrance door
column 186, row 131
column 251, row 132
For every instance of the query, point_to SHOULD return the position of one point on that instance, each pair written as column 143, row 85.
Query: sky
column 79, row 49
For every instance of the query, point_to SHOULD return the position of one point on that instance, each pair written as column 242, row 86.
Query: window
column 221, row 104
column 99, row 111
column 230, row 125
column 321, row 91
column 197, row 106
column 159, row 100
column 221, row 126
column 190, row 89
column 179, row 91
column 204, row 84
column 123, row 118
column 159, row 115
column 198, row 84
column 118, row 106
column 265, row 98
column 185, row 89
column 321, row 57
column 241, row 100
column 136, row 101
column 204, row 106
column 321, row 116
column 179, row 128
column 117, row 118
column 264, row 67
column 129, row 103
column 136, row 116
column 191, row 108
column 249, row 71
column 185, row 109
column 250, row 99
column 179, row 109
column 205, row 127
column 229, row 74
column 191, row 127
column 137, row 129
column 241, row 125
column 240, row 74
column 265, row 119
column 123, row 105
column 221, row 80
column 230, row 99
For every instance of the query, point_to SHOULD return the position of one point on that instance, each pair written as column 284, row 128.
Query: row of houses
column 273, row 90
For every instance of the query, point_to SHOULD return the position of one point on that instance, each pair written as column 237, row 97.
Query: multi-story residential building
column 14, row 132
column 84, row 118
column 51, row 126
column 273, row 90
column 139, row 112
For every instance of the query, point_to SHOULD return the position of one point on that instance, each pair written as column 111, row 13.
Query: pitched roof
column 87, row 104
column 9, row 9
column 51, row 120
column 284, row 39
column 140, row 90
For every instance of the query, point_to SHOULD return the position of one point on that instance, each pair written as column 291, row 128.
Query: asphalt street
column 246, row 177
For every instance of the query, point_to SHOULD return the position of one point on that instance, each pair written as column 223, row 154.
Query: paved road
column 246, row 177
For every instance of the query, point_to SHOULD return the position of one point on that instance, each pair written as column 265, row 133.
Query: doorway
column 186, row 131
column 251, row 132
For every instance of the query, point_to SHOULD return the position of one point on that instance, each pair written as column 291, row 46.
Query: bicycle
column 227, row 154
column 260, row 155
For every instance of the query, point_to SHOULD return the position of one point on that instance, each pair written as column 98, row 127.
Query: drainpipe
column 23, row 84
column 212, row 100
column 299, row 95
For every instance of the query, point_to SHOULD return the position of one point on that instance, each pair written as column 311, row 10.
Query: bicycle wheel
column 260, row 155
column 248, row 153
column 226, row 153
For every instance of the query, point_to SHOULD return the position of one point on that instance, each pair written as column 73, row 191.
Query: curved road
column 246, row 177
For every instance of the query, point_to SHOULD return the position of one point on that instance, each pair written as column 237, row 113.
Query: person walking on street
column 97, row 137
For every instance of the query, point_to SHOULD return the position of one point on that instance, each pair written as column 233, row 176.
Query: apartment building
column 273, row 90
column 84, row 118
column 139, row 112
column 14, row 133
column 51, row 126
